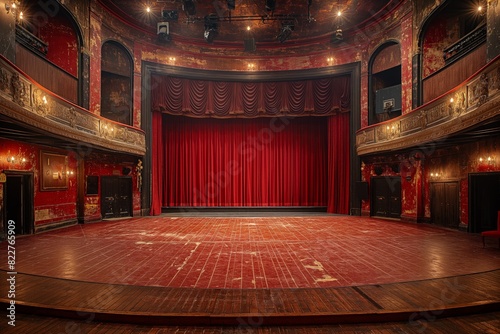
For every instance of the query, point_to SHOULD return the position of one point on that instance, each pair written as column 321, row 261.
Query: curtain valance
column 205, row 98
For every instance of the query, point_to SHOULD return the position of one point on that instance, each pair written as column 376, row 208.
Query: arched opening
column 116, row 83
column 453, row 44
column 385, row 83
column 49, row 41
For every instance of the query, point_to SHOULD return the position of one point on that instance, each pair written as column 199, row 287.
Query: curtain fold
column 338, row 164
column 157, row 164
column 205, row 98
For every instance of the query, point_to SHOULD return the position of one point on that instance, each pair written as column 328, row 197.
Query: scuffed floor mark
column 143, row 243
column 189, row 256
column 319, row 267
column 173, row 236
column 325, row 278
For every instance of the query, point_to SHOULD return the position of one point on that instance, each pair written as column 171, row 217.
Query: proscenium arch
column 353, row 69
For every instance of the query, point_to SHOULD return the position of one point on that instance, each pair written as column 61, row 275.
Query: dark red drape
column 205, row 98
column 157, row 164
column 338, row 164
column 245, row 162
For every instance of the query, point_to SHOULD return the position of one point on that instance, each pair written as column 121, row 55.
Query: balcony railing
column 465, row 45
column 470, row 103
column 26, row 101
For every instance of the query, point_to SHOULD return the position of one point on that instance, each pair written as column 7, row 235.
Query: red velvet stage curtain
column 338, row 164
column 202, row 98
column 157, row 164
column 245, row 162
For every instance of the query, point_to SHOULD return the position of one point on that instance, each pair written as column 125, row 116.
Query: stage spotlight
column 163, row 31
column 338, row 36
column 231, row 4
column 211, row 27
column 250, row 45
column 189, row 7
column 286, row 31
column 170, row 15
column 270, row 5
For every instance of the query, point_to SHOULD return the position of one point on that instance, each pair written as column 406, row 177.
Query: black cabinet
column 386, row 196
column 116, row 196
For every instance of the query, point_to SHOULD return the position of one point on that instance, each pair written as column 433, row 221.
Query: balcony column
column 8, row 33
column 493, row 32
column 412, row 189
column 416, row 79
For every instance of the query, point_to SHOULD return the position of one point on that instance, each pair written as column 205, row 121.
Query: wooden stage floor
column 244, row 271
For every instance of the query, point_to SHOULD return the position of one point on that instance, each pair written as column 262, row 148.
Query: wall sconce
column 390, row 131
column 435, row 175
column 489, row 160
column 12, row 159
column 10, row 7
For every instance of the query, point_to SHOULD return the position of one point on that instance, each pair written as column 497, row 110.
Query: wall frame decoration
column 54, row 171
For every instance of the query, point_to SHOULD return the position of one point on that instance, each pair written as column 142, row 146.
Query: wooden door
column 18, row 202
column 484, row 201
column 444, row 204
column 386, row 196
column 116, row 196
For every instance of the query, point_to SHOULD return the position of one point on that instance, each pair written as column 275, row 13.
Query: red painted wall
column 107, row 165
column 441, row 32
column 451, row 164
column 61, row 37
column 50, row 206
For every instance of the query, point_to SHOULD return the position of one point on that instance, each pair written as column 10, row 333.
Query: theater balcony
column 471, row 104
column 31, row 112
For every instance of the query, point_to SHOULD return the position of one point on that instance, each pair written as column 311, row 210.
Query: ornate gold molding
column 25, row 101
column 469, row 104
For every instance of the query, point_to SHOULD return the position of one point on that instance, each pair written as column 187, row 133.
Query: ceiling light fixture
column 189, row 7
column 270, row 5
column 170, row 15
column 11, row 6
column 338, row 35
column 163, row 32
column 211, row 27
column 286, row 31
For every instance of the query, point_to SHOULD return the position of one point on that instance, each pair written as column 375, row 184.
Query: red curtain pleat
column 338, row 164
column 197, row 98
column 251, row 162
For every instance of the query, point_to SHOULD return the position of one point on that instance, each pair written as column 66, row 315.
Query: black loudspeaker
column 126, row 170
column 250, row 45
column 362, row 190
